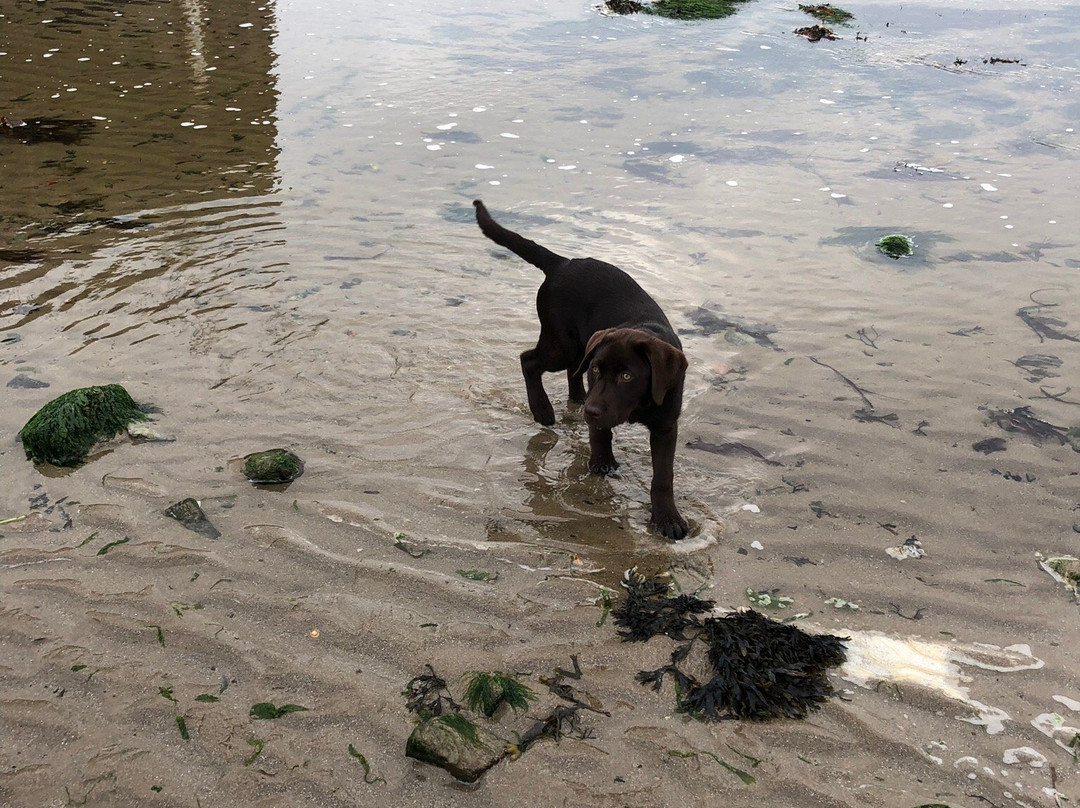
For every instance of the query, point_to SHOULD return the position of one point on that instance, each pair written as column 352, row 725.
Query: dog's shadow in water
column 572, row 506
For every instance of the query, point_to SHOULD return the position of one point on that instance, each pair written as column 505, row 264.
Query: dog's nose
column 592, row 412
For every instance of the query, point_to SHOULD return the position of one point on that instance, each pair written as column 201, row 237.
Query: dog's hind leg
column 532, row 368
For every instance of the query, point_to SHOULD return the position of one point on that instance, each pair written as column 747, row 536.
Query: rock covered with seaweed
column 272, row 467
column 64, row 430
column 467, row 740
column 742, row 665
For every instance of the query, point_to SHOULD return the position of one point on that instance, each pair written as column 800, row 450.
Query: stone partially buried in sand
column 455, row 743
column 272, row 467
column 190, row 514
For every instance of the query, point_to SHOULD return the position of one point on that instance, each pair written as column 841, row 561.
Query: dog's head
column 628, row 370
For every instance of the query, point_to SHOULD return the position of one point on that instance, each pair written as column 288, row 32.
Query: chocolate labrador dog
column 596, row 320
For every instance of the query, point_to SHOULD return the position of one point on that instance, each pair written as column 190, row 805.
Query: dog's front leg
column 577, row 386
column 665, row 516
column 601, row 458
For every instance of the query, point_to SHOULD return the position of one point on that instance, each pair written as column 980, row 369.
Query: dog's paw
column 604, row 467
column 544, row 416
column 671, row 525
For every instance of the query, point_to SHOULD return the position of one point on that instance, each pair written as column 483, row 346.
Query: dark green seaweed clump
column 694, row 9
column 757, row 668
column 64, row 430
column 427, row 695
column 273, row 466
column 650, row 609
column 828, row 13
column 485, row 692
column 896, row 246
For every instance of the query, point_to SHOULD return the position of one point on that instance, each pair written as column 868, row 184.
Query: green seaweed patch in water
column 896, row 245
column 486, row 692
column 694, row 9
column 828, row 13
column 207, row 698
column 64, row 430
column 181, row 724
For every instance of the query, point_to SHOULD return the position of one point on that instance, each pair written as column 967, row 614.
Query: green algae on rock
column 454, row 743
column 272, row 467
column 64, row 430
column 896, row 245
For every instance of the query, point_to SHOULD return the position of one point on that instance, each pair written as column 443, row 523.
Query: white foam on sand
column 874, row 657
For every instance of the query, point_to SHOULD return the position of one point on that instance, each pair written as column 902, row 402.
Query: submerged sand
column 340, row 303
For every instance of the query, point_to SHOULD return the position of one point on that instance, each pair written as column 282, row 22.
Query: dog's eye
column 595, row 370
column 626, row 376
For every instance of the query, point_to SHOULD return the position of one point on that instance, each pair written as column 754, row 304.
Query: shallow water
column 261, row 223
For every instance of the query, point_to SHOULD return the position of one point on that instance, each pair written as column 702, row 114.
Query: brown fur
column 595, row 320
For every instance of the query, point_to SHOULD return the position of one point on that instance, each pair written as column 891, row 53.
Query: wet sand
column 340, row 302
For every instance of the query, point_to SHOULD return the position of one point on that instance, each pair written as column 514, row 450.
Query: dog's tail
column 532, row 252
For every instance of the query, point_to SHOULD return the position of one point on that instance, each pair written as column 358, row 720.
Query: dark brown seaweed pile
column 650, row 609
column 758, row 668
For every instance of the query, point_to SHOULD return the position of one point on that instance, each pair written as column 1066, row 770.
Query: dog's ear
column 590, row 348
column 668, row 367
